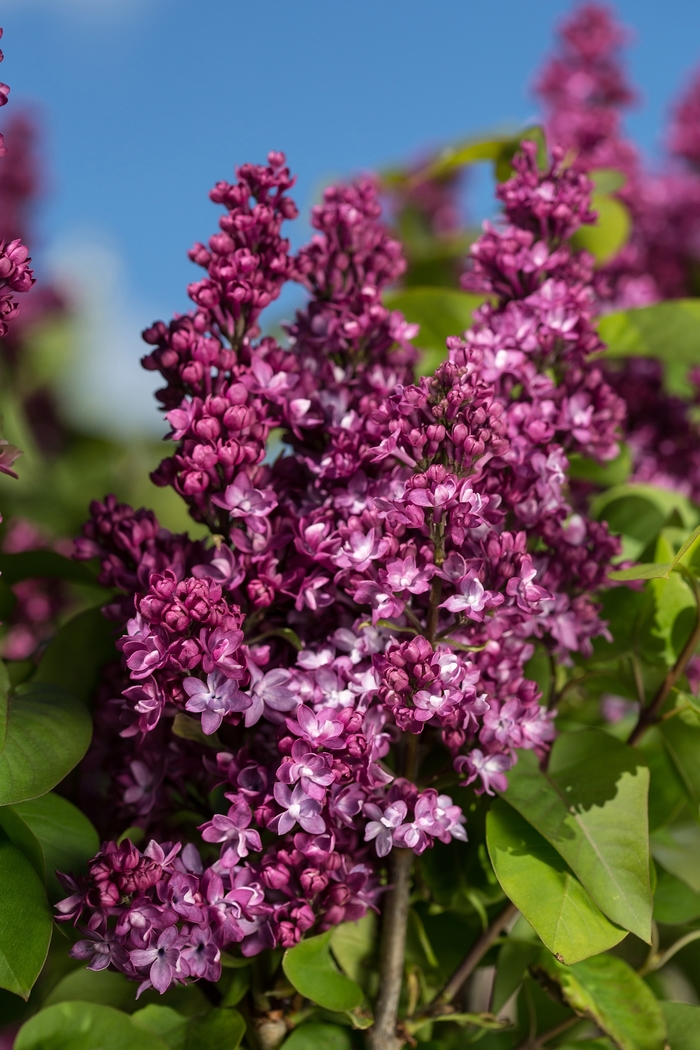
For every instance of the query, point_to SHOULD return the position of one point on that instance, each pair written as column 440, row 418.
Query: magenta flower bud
column 313, row 881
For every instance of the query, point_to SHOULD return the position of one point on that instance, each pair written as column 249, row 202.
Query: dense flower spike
column 370, row 597
column 584, row 91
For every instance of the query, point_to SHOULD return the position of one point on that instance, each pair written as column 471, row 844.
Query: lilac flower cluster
column 684, row 133
column 371, row 596
column 584, row 90
column 15, row 274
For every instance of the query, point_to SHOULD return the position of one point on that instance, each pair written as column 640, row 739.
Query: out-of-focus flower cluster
column 15, row 274
column 584, row 90
column 370, row 597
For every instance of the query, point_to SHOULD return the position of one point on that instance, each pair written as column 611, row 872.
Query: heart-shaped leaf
column 310, row 968
column 44, row 732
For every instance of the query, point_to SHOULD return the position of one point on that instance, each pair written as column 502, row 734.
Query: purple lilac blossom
column 373, row 584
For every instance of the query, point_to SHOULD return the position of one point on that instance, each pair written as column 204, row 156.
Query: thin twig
column 474, row 957
column 433, row 611
column 383, row 1035
column 563, row 1026
column 648, row 716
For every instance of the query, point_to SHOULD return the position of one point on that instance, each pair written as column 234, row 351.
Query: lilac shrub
column 370, row 596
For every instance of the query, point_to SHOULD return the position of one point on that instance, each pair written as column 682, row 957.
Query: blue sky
column 146, row 103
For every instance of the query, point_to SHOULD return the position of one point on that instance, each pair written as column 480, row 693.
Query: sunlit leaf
column 591, row 805
column 352, row 942
column 545, row 889
column 310, row 968
column 668, row 331
column 609, row 234
column 440, row 312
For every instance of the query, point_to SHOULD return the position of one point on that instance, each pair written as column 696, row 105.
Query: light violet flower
column 215, row 700
column 382, row 825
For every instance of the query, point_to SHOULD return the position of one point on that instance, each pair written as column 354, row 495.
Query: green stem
column 657, row 961
column 649, row 716
column 433, row 612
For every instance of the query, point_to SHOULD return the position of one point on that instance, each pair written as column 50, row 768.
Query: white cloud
column 106, row 389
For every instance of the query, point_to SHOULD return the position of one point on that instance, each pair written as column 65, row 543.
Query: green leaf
column 613, row 996
column 610, row 232
column 67, row 838
column 543, row 887
column 352, row 943
column 239, row 984
column 666, row 795
column 164, row 1022
column 217, row 1030
column 682, row 744
column 649, row 570
column 310, row 968
column 44, row 732
column 28, row 565
column 674, row 901
column 668, row 331
column 103, row 987
column 607, row 180
column 677, row 849
column 613, row 472
column 21, row 835
column 76, row 654
column 640, row 511
column 84, row 1026
column 513, row 960
column 25, row 921
column 683, row 1023
column 591, row 805
column 440, row 312
column 498, row 148
column 316, row 1036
